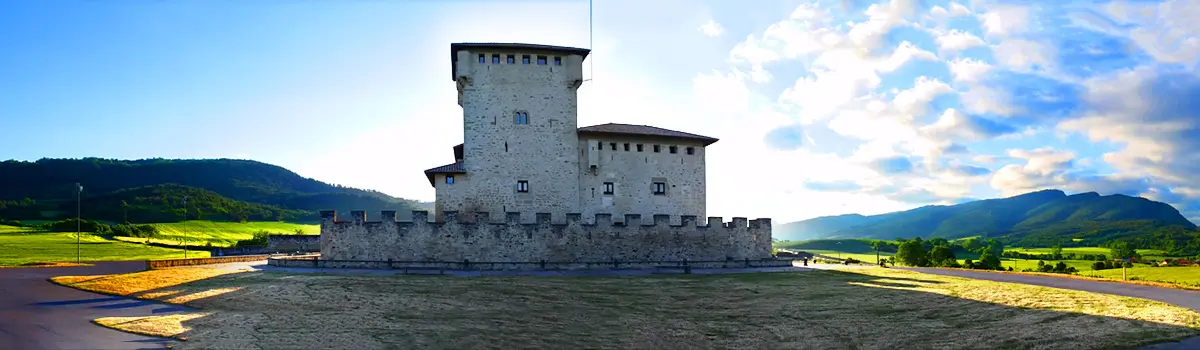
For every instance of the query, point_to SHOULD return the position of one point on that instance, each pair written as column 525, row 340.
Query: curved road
column 38, row 314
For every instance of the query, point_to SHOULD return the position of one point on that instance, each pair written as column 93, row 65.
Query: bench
column 440, row 270
column 686, row 269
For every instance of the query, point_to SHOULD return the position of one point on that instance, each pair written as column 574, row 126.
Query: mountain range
column 1040, row 218
column 151, row 190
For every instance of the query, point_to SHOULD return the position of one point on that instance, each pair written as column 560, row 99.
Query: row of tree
column 939, row 252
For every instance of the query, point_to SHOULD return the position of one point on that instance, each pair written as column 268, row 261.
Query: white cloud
column 914, row 102
column 868, row 35
column 1024, row 55
column 968, row 70
column 1167, row 31
column 956, row 10
column 1044, row 168
column 957, row 40
column 1004, row 20
column 711, row 28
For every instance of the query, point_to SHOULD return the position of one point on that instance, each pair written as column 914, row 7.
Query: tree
column 943, row 256
column 912, row 253
column 125, row 210
column 1123, row 250
column 1056, row 251
column 989, row 261
column 972, row 245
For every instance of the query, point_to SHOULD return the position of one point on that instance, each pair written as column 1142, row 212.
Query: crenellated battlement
column 480, row 238
column 358, row 217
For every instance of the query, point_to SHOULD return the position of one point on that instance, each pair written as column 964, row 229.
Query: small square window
column 599, row 146
column 525, row 59
column 496, row 59
column 639, row 147
column 512, row 59
column 660, row 188
column 449, row 179
column 609, row 188
column 482, row 58
column 612, row 146
column 673, row 149
column 522, row 186
column 626, row 147
column 656, row 148
column 541, row 60
column 691, row 150
column 557, row 61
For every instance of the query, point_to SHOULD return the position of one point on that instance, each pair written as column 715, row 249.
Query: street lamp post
column 184, row 227
column 78, row 217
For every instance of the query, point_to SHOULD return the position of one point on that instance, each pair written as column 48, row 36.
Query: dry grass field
column 871, row 308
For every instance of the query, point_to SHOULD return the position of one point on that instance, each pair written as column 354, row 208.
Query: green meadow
column 219, row 234
column 23, row 248
column 1185, row 275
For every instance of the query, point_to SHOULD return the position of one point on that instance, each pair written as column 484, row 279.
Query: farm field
column 859, row 308
column 11, row 229
column 1082, row 250
column 220, row 234
column 17, row 249
column 867, row 258
column 1185, row 275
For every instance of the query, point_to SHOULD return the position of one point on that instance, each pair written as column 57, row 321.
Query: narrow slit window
column 609, row 188
column 557, row 61
column 521, row 118
column 482, row 58
column 599, row 146
column 626, row 147
column 542, row 60
column 660, row 188
column 673, row 149
column 691, row 150
column 639, row 147
column 495, row 59
column 522, row 186
column 512, row 59
column 612, row 146
column 525, row 59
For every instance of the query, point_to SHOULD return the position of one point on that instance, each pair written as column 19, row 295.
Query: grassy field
column 1185, row 275
column 1083, row 250
column 18, row 249
column 220, row 234
column 864, row 257
column 11, row 229
column 864, row 308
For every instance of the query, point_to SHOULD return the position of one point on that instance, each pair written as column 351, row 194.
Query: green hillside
column 221, row 189
column 1041, row 218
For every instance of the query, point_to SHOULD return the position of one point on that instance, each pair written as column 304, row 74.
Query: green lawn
column 11, row 229
column 1186, row 275
column 220, row 234
column 17, row 249
column 1082, row 250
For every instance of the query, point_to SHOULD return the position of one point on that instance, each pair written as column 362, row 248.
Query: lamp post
column 184, row 227
column 78, row 217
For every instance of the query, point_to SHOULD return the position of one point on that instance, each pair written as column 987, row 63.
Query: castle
column 524, row 157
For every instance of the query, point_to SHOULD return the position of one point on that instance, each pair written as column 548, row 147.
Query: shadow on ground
column 878, row 309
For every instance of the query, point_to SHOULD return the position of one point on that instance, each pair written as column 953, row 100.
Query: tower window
column 660, row 188
column 691, row 150
column 482, row 58
column 639, row 147
column 612, row 146
column 521, row 118
column 495, row 59
column 522, row 186
column 673, row 149
column 626, row 147
column 541, row 60
column 557, row 61
column 512, row 59
column 609, row 188
column 656, row 148
column 525, row 59
column 449, row 179
column 599, row 146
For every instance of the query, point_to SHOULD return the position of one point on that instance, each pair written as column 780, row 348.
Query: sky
column 821, row 108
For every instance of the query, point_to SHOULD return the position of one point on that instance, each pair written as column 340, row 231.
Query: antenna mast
column 591, row 45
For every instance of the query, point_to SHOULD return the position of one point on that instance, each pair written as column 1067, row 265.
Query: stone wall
column 498, row 152
column 291, row 243
column 633, row 173
column 513, row 240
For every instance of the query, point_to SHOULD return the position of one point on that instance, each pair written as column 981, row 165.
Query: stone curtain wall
column 514, row 241
column 285, row 243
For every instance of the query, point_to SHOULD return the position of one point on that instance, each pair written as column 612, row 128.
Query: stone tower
column 520, row 143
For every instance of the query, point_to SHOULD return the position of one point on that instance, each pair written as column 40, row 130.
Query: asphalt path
column 38, row 314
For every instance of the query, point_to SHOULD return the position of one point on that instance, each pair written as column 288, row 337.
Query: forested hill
column 43, row 189
column 1039, row 218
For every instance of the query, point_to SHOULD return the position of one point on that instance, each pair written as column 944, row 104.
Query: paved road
column 37, row 314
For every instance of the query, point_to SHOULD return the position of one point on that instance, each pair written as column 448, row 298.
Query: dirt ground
column 861, row 309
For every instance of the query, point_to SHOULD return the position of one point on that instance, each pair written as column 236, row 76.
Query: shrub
column 259, row 240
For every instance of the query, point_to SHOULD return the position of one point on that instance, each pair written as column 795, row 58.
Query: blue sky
column 827, row 107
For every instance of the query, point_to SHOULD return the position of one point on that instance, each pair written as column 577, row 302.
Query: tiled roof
column 455, row 168
column 644, row 130
column 456, row 47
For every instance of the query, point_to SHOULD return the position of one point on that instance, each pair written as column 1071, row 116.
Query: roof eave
column 455, row 47
column 703, row 140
